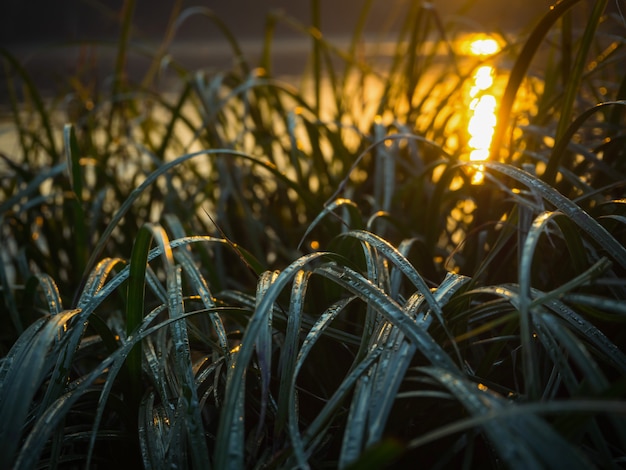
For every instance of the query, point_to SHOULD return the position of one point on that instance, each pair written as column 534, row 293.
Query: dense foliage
column 245, row 272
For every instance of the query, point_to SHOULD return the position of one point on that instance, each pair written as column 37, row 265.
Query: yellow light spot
column 315, row 245
column 484, row 46
column 482, row 121
column 482, row 387
column 479, row 44
column 483, row 79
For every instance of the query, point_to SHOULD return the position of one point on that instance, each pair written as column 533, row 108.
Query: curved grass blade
column 224, row 30
column 402, row 264
column 298, row 441
column 591, row 373
column 407, row 269
column 529, row 359
column 519, row 70
column 229, row 444
column 97, row 279
column 28, row 365
column 128, row 202
column 330, row 208
column 371, row 294
column 55, row 413
column 48, row 289
column 390, row 376
column 264, row 349
column 574, row 76
column 569, row 208
column 188, row 400
column 587, row 330
column 523, row 442
column 289, row 351
column 202, row 289
column 560, row 148
column 39, row 104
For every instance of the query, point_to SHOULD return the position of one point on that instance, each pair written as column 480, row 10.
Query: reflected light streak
column 482, row 106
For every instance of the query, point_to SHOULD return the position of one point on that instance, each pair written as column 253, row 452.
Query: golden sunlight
column 482, row 104
column 484, row 46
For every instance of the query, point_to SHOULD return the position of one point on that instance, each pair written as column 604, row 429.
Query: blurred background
column 73, row 20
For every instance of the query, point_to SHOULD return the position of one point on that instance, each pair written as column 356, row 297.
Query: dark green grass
column 243, row 272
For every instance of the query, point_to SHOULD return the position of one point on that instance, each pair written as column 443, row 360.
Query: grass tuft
column 241, row 271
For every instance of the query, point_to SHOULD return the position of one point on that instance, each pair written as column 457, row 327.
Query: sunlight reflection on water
column 482, row 104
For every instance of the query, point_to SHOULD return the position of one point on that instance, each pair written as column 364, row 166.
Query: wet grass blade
column 30, row 363
column 229, row 446
column 136, row 295
column 290, row 349
column 569, row 208
column 372, row 295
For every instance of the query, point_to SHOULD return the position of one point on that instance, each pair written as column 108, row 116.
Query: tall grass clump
column 247, row 272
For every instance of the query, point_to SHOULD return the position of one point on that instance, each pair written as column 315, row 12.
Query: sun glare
column 482, row 104
column 485, row 46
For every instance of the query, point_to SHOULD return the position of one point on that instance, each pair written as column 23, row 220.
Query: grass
column 244, row 273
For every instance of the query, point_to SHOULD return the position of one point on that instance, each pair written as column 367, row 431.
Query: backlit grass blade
column 152, row 432
column 520, row 69
column 574, row 76
column 97, row 279
column 119, row 75
column 136, row 293
column 48, row 289
column 316, row 54
column 223, row 29
column 76, row 178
